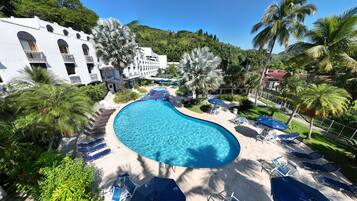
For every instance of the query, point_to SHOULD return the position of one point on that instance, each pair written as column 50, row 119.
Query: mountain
column 174, row 44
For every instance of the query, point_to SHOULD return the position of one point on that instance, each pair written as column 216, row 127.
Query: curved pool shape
column 156, row 130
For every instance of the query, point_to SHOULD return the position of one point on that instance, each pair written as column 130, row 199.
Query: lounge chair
column 92, row 149
column 338, row 185
column 266, row 136
column 91, row 143
column 239, row 120
column 327, row 167
column 311, row 156
column 284, row 167
column 96, row 156
column 290, row 136
column 123, row 188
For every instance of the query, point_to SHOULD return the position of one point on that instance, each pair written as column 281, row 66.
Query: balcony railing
column 89, row 59
column 68, row 58
column 35, row 57
column 94, row 77
column 75, row 79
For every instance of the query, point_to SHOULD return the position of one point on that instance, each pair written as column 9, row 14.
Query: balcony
column 35, row 57
column 94, row 77
column 89, row 59
column 75, row 79
column 68, row 58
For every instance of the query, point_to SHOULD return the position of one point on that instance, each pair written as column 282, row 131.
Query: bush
column 125, row 96
column 245, row 104
column 141, row 90
column 206, row 108
column 181, row 91
column 227, row 97
column 95, row 92
column 70, row 180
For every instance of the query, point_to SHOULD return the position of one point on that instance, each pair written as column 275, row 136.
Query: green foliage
column 206, row 108
column 141, row 90
column 125, row 96
column 230, row 97
column 171, row 70
column 71, row 13
column 181, row 91
column 245, row 104
column 96, row 92
column 70, row 180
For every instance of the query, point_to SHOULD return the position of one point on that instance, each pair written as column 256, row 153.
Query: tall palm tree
column 322, row 101
column 280, row 22
column 115, row 45
column 200, row 71
column 50, row 111
column 31, row 77
column 330, row 43
column 291, row 88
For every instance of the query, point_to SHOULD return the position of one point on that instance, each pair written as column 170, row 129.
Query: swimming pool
column 156, row 130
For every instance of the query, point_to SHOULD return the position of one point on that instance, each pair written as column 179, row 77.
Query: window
column 85, row 49
column 38, row 65
column 90, row 68
column 27, row 41
column 1, row 81
column 78, row 35
column 63, row 46
column 65, row 32
column 71, row 68
column 88, row 38
column 49, row 28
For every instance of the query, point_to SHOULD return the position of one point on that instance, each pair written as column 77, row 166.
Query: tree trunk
column 265, row 66
column 121, row 79
column 310, row 128
column 292, row 115
column 51, row 144
column 74, row 154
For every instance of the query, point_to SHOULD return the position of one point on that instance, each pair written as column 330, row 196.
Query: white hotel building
column 145, row 65
column 66, row 53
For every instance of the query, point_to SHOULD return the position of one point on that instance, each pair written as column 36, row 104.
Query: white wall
column 163, row 61
column 13, row 58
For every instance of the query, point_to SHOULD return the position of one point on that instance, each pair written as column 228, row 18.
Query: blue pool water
column 155, row 129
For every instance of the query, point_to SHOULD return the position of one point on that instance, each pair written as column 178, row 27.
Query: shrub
column 95, row 92
column 125, row 96
column 227, row 97
column 245, row 104
column 142, row 90
column 206, row 108
column 181, row 91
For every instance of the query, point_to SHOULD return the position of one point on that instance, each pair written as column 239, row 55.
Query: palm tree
column 323, row 100
column 200, row 71
column 50, row 111
column 115, row 45
column 291, row 88
column 331, row 43
column 280, row 22
column 31, row 77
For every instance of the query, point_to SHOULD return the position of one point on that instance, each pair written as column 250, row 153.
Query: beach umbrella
column 289, row 189
column 159, row 189
column 272, row 123
column 216, row 101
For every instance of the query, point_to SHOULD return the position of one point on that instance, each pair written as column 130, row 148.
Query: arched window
column 78, row 35
column 65, row 32
column 88, row 38
column 63, row 46
column 49, row 28
column 85, row 49
column 28, row 42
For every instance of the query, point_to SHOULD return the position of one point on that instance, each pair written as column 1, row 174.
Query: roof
column 275, row 75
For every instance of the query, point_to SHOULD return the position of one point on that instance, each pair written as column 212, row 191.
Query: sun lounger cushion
column 91, row 143
column 312, row 156
column 97, row 155
column 328, row 167
column 338, row 185
column 116, row 194
column 92, row 149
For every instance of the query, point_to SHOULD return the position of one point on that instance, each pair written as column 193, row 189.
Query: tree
column 70, row 180
column 279, row 23
column 200, row 73
column 49, row 111
column 330, row 43
column 291, row 87
column 323, row 100
column 115, row 45
column 172, row 70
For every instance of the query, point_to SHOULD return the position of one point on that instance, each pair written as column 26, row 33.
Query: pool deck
column 242, row 176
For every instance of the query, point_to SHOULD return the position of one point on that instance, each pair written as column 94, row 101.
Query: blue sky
column 230, row 20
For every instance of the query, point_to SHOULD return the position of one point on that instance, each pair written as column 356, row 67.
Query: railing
column 68, row 58
column 94, row 77
column 75, row 79
column 35, row 57
column 89, row 59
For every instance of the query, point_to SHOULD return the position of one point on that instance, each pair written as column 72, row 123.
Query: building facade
column 33, row 42
column 146, row 64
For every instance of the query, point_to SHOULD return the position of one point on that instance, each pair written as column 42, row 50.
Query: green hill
column 174, row 44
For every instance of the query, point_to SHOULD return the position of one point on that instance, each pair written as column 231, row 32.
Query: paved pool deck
column 243, row 176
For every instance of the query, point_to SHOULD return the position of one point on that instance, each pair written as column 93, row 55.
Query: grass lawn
column 195, row 108
column 331, row 149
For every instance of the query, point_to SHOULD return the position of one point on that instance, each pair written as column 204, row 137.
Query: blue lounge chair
column 239, row 120
column 327, row 167
column 92, row 149
column 123, row 188
column 97, row 155
column 338, row 185
column 91, row 143
column 266, row 136
column 284, row 167
column 311, row 156
column 116, row 193
column 290, row 136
